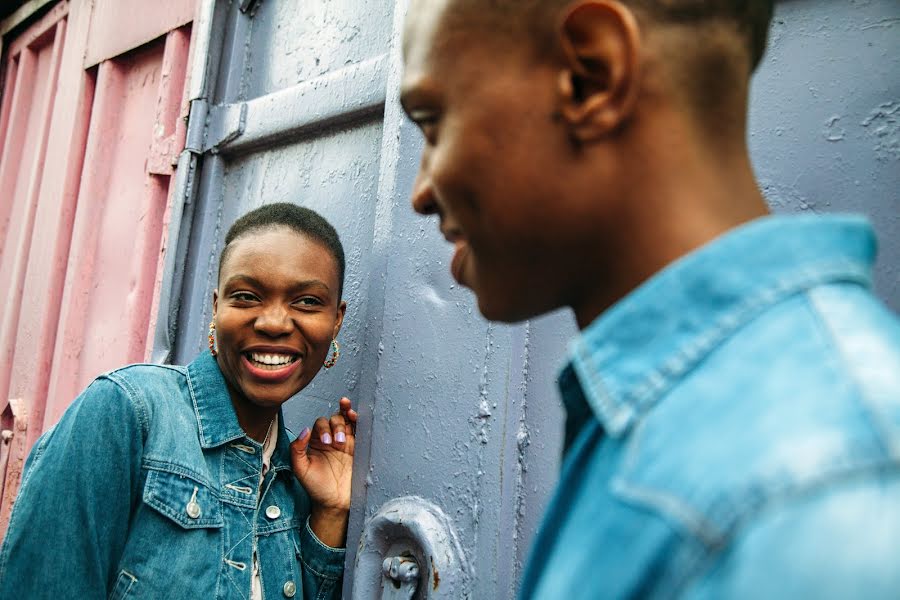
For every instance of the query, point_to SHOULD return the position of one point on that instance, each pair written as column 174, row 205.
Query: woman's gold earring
column 212, row 338
column 335, row 355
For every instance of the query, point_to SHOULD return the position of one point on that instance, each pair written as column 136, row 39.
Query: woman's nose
column 274, row 321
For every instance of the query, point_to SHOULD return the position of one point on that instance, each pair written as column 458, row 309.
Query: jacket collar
column 216, row 420
column 628, row 358
column 281, row 457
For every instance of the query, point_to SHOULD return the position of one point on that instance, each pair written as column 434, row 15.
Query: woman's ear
column 339, row 321
column 215, row 302
column 600, row 81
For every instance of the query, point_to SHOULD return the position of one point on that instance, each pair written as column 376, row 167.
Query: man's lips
column 457, row 263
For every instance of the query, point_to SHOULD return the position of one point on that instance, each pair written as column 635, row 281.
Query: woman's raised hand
column 322, row 460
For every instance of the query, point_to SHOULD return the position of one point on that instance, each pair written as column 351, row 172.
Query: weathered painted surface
column 118, row 230
column 825, row 118
column 300, row 104
column 86, row 160
column 122, row 25
column 29, row 133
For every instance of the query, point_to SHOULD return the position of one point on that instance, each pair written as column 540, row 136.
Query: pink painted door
column 90, row 128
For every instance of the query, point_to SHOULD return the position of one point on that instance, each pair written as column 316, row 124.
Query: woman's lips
column 271, row 375
column 457, row 263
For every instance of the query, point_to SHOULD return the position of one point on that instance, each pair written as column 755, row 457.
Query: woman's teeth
column 271, row 362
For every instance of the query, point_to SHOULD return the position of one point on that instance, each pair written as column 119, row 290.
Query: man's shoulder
column 805, row 394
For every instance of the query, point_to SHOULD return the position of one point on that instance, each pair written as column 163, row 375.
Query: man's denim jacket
column 149, row 488
column 734, row 429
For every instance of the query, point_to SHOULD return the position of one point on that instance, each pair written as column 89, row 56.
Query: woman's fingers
column 346, row 409
column 322, row 431
column 340, row 429
column 300, row 459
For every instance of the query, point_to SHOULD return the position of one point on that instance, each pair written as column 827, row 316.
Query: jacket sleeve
column 70, row 520
column 841, row 542
column 323, row 567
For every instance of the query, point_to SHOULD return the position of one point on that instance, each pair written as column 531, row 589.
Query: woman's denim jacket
column 148, row 488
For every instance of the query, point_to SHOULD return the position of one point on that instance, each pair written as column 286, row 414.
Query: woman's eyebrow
column 310, row 283
column 294, row 287
column 247, row 279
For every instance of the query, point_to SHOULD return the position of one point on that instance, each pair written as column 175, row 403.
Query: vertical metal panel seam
column 382, row 236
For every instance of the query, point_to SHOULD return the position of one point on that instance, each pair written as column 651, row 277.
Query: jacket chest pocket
column 188, row 502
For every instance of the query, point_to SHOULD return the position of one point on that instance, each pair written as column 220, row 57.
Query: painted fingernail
column 326, row 439
column 339, row 437
column 304, row 433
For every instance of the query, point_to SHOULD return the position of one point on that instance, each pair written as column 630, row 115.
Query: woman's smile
column 271, row 367
column 271, row 360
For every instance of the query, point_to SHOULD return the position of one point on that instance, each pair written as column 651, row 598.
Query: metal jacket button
column 192, row 509
column 289, row 589
column 273, row 512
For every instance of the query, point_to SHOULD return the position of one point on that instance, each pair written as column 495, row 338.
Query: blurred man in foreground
column 733, row 399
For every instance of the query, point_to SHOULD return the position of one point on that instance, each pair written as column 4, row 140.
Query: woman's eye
column 243, row 297
column 307, row 301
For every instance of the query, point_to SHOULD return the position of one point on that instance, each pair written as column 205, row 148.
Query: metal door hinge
column 196, row 126
column 409, row 550
column 401, row 578
column 250, row 6
column 13, row 451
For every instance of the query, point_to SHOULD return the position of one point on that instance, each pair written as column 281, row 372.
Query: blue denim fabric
column 103, row 510
column 733, row 429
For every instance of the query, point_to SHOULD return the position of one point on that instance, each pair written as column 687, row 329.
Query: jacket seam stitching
column 153, row 464
column 317, row 572
column 849, row 371
column 190, row 385
column 747, row 517
column 665, row 505
column 135, row 399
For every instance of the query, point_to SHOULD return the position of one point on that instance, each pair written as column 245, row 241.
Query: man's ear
column 599, row 84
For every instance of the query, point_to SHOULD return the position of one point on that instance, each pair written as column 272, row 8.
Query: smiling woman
column 182, row 482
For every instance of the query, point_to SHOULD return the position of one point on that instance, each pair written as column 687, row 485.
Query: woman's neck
column 254, row 420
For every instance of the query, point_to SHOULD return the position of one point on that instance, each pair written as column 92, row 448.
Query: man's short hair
column 717, row 45
column 299, row 219
column 750, row 18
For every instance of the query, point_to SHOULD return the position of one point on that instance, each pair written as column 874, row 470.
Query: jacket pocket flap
column 188, row 502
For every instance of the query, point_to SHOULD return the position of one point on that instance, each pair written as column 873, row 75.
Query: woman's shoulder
column 137, row 379
column 146, row 386
column 147, row 371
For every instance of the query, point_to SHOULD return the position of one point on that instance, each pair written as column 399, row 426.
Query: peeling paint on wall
column 883, row 126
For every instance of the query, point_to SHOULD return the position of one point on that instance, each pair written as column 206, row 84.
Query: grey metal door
column 461, row 427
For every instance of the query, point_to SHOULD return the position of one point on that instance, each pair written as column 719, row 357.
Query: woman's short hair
column 300, row 219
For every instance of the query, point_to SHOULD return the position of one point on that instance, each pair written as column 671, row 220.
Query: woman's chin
column 270, row 396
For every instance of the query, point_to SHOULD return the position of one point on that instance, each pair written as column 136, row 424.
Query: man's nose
column 423, row 194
